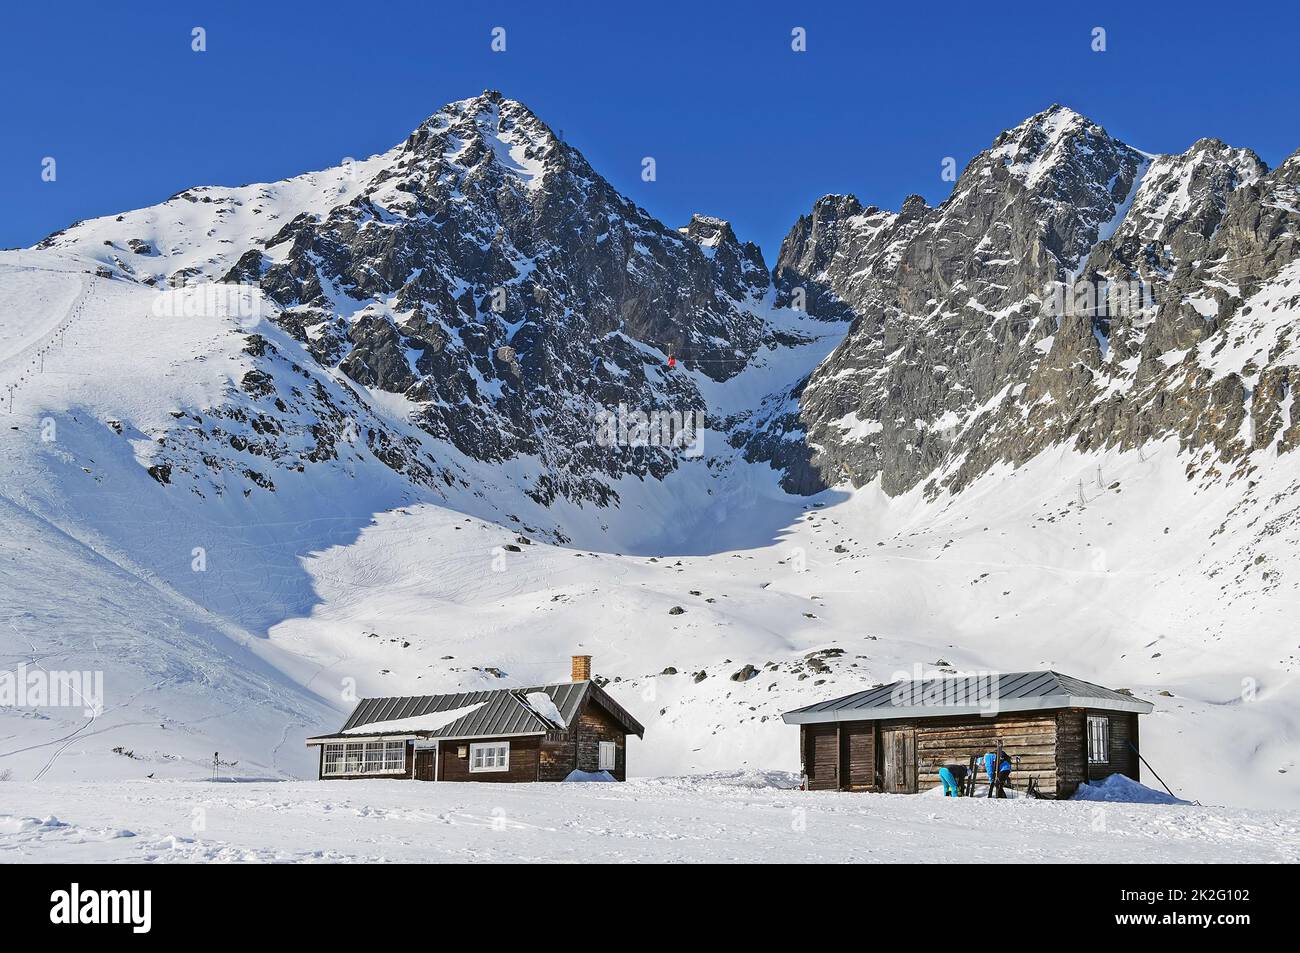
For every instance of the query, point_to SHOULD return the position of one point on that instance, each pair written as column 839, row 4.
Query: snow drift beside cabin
column 581, row 776
column 1117, row 787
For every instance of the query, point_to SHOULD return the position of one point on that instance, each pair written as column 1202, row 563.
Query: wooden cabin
column 505, row 734
column 1060, row 731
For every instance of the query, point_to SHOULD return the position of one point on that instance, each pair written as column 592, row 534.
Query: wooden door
column 859, row 759
column 898, row 760
column 424, row 764
column 822, row 757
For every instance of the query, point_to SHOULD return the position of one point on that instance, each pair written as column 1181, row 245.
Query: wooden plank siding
column 594, row 726
column 852, row 755
column 1073, row 765
column 1123, row 729
column 1031, row 737
column 578, row 747
column 558, row 756
column 904, row 756
column 821, row 745
column 1071, row 751
column 1122, row 758
column 858, row 755
column 524, row 761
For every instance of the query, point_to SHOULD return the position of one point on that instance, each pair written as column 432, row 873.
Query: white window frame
column 331, row 760
column 395, row 756
column 1098, row 739
column 489, row 757
column 607, row 756
column 353, row 759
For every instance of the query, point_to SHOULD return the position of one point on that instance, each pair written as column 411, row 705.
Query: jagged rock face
column 483, row 271
column 490, row 275
column 833, row 255
column 286, row 417
column 739, row 269
column 960, row 357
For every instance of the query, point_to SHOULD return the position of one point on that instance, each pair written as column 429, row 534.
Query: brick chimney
column 582, row 668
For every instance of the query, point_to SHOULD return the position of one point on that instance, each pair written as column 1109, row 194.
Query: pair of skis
column 995, row 782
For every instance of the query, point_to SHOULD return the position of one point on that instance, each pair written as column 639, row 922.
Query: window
column 333, row 760
column 395, row 756
column 1098, row 739
column 368, row 757
column 491, row 756
column 352, row 763
column 608, row 756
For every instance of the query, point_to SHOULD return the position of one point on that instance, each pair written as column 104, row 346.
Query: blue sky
column 740, row 126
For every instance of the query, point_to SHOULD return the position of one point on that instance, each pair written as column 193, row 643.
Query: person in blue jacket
column 952, row 775
column 998, row 775
column 990, row 766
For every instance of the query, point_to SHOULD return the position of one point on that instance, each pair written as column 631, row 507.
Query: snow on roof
column 499, row 712
column 434, row 721
column 967, row 694
column 544, row 705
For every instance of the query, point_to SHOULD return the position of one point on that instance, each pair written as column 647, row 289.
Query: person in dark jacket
column 998, row 774
column 952, row 776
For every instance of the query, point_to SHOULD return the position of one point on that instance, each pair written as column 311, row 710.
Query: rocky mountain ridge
column 483, row 272
column 959, row 357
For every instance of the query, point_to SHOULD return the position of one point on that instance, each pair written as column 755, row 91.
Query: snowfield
column 348, row 581
column 723, row 818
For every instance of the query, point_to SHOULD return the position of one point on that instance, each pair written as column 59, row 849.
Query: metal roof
column 986, row 694
column 502, row 712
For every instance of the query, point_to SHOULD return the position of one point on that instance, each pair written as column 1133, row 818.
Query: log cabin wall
column 1121, row 758
column 1073, row 763
column 1071, row 751
column 524, row 761
column 578, row 747
column 1135, row 762
column 558, row 755
column 1029, row 736
column 1124, row 729
column 594, row 726
column 846, row 755
column 1051, row 747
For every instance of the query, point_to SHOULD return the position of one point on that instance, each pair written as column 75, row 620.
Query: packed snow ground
column 715, row 819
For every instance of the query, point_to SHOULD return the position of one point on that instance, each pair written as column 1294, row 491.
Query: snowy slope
column 201, row 232
column 725, row 818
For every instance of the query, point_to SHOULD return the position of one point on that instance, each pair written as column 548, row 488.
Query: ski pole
column 1151, row 769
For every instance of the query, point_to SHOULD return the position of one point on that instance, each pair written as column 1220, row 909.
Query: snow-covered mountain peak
column 1031, row 148
column 490, row 128
column 1052, row 151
